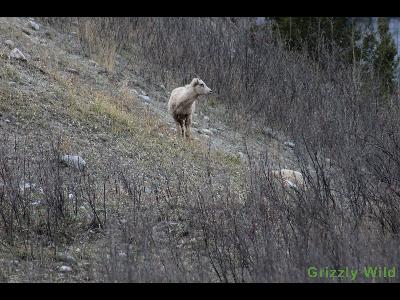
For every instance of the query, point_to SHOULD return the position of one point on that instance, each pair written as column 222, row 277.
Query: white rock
column 241, row 155
column 289, row 144
column 71, row 196
column 206, row 118
column 65, row 269
column 17, row 54
column 9, row 43
column 7, row 120
column 206, row 131
column 67, row 258
column 26, row 185
column 289, row 177
column 122, row 254
column 290, row 184
column 269, row 131
column 74, row 161
column 70, row 70
column 145, row 98
column 34, row 25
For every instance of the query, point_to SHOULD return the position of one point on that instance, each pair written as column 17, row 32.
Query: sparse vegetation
column 150, row 209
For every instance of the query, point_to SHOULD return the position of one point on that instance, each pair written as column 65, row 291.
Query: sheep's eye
column 202, row 85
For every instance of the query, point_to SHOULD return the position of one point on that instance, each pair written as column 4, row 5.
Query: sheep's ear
column 195, row 81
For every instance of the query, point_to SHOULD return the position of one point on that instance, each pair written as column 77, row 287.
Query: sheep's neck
column 191, row 97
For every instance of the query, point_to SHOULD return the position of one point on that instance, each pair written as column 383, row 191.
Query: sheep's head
column 200, row 87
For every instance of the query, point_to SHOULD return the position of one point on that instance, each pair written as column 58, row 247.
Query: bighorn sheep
column 181, row 105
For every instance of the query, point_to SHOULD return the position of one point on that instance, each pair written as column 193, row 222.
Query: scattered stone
column 206, row 131
column 14, row 262
column 34, row 25
column 122, row 254
column 214, row 130
column 145, row 98
column 65, row 269
column 92, row 62
column 9, row 43
column 70, row 70
column 67, row 258
column 73, row 161
column 289, row 144
column 36, row 203
column 17, row 54
column 26, row 185
column 26, row 31
column 269, row 131
column 241, row 155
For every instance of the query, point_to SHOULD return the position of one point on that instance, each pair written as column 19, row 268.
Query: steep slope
column 57, row 99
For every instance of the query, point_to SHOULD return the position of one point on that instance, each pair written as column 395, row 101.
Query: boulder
column 9, row 43
column 74, row 161
column 34, row 25
column 17, row 54
column 289, row 144
column 65, row 269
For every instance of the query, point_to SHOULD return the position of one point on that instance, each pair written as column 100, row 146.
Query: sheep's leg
column 179, row 128
column 188, row 124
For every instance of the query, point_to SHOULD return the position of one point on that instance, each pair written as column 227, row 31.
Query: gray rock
column 26, row 186
column 73, row 161
column 17, row 54
column 26, row 31
column 122, row 254
column 70, row 70
column 289, row 144
column 145, row 98
column 269, row 131
column 34, row 25
column 206, row 131
column 67, row 258
column 9, row 43
column 65, row 269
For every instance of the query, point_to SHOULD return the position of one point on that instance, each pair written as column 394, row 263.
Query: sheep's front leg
column 180, row 128
column 188, row 126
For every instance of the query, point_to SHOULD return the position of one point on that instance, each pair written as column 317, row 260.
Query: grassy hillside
column 149, row 207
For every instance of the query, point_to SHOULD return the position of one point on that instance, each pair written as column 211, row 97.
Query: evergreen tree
column 314, row 33
column 385, row 62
